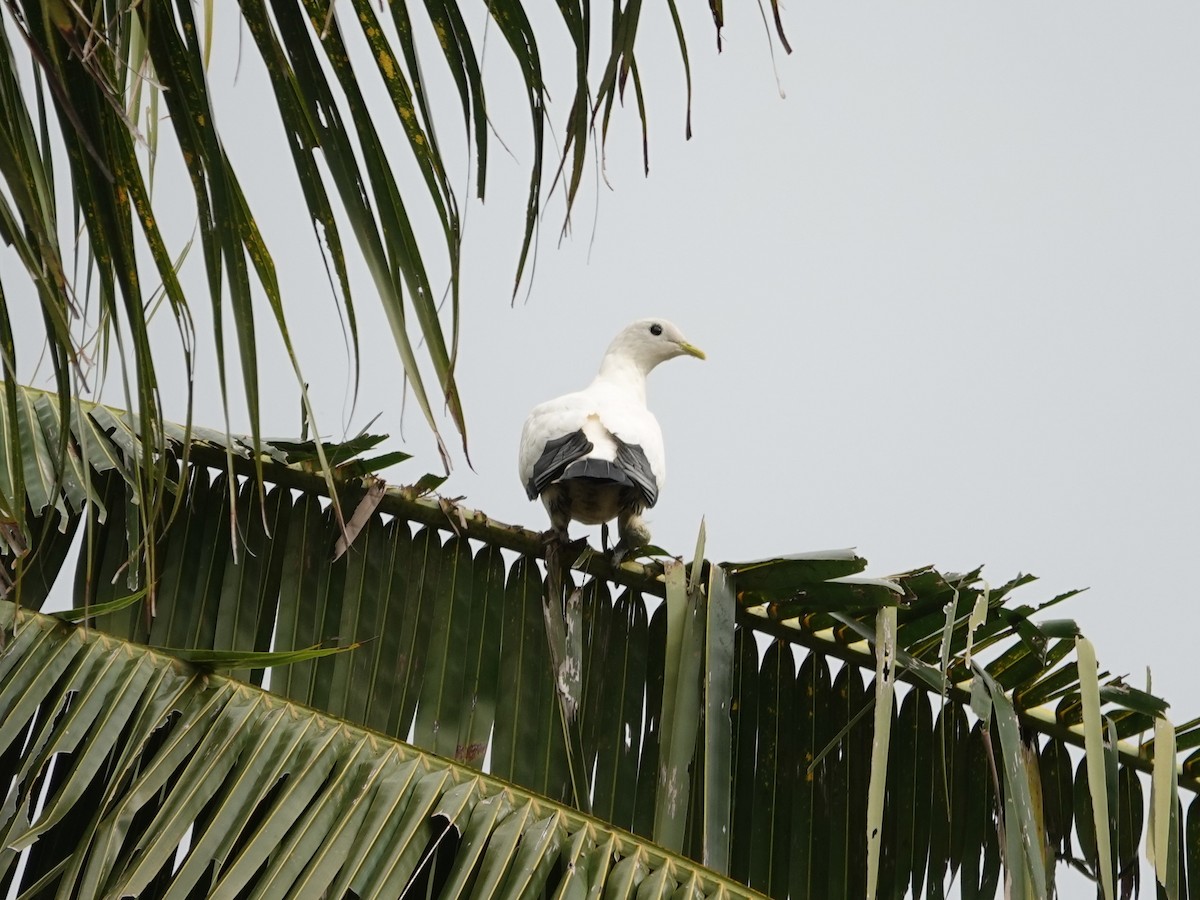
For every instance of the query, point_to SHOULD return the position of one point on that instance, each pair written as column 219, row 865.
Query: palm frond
column 161, row 780
column 986, row 776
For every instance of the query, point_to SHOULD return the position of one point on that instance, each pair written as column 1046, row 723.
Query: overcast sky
column 947, row 285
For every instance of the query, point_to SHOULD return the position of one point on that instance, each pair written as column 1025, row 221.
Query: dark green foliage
column 451, row 651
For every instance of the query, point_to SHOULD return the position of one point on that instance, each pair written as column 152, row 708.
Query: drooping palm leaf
column 141, row 755
column 449, row 608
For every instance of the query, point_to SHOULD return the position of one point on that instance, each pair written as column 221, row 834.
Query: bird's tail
column 599, row 469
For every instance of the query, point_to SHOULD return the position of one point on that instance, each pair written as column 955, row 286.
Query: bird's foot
column 626, row 549
column 554, row 536
column 560, row 547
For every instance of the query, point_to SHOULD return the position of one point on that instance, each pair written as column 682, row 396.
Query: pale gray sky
column 948, row 288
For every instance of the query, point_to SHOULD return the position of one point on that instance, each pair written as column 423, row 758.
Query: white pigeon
column 597, row 454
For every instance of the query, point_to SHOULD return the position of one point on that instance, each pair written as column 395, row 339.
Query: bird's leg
column 604, row 536
column 560, row 520
column 633, row 533
column 559, row 545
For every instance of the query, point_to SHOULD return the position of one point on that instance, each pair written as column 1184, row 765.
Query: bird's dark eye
column 656, row 329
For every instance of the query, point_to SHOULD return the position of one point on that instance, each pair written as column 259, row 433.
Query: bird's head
column 648, row 342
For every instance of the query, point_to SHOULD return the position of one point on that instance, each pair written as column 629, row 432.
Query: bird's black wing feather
column 556, row 456
column 631, row 459
column 598, row 470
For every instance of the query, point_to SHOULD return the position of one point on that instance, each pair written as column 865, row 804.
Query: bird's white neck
column 623, row 373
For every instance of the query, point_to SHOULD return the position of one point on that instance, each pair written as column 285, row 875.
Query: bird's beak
column 692, row 351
